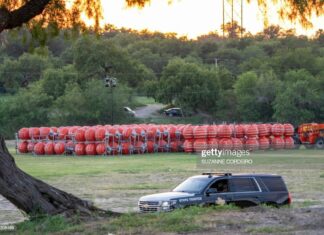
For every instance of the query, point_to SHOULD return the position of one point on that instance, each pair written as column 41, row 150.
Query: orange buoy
column 39, row 148
column 200, row 132
column 238, row 131
column 79, row 135
column 23, row 147
column 100, row 134
column 225, row 143
column 72, row 130
column 187, row 132
column 34, row 132
column 277, row 129
column 150, row 146
column 151, row 132
column 62, row 132
column 126, row 148
column 44, row 132
column 278, row 143
column 23, row 134
column 59, row 148
column 264, row 143
column 49, row 148
column 90, row 149
column 224, row 131
column 127, row 132
column 162, row 145
column 139, row 147
column 188, row 146
column 289, row 142
column 252, row 144
column 175, row 146
column 30, row 147
column 288, row 129
column 211, row 131
column 212, row 143
column 200, row 145
column 251, row 131
column 237, row 144
column 101, row 149
column 80, row 149
column 263, row 130
column 90, row 134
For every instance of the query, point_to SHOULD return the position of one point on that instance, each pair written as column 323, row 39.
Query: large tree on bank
column 32, row 195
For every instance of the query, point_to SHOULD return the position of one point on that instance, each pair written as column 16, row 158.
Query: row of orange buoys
column 150, row 138
column 238, row 137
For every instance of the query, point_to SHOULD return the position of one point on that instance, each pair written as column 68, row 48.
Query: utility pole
column 241, row 18
column 233, row 12
column 216, row 62
column 223, row 18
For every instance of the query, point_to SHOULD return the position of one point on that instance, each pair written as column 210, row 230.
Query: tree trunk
column 35, row 197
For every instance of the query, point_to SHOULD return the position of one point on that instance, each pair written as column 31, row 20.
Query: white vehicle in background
column 129, row 111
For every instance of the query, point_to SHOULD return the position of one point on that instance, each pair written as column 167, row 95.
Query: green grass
column 179, row 221
column 175, row 120
column 144, row 100
column 43, row 225
column 117, row 182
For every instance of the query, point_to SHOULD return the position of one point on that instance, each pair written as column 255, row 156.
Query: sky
column 192, row 18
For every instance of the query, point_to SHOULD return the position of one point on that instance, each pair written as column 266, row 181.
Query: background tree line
column 271, row 76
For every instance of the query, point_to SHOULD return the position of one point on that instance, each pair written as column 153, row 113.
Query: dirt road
column 148, row 111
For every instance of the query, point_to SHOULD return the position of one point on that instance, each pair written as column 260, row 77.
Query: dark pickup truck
column 220, row 188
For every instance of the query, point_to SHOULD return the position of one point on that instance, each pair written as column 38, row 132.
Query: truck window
column 274, row 184
column 243, row 185
column 221, row 186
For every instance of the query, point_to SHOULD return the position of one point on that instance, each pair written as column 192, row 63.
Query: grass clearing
column 144, row 100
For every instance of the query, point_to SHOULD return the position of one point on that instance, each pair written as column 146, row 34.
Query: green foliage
column 299, row 98
column 91, row 105
column 29, row 107
column 21, row 72
column 255, row 95
column 258, row 78
column 92, row 56
column 189, row 85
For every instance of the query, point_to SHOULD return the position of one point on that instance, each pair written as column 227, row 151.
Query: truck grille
column 148, row 206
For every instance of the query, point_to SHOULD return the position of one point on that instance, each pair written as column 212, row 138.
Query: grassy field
column 116, row 183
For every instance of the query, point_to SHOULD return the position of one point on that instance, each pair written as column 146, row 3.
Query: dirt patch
column 260, row 220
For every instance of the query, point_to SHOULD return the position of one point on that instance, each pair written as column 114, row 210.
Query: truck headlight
column 165, row 204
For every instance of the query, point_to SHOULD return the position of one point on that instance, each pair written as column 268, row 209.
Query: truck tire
column 319, row 143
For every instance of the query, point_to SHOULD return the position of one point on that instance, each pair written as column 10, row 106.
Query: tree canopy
column 55, row 14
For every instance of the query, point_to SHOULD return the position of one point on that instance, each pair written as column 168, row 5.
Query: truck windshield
column 191, row 185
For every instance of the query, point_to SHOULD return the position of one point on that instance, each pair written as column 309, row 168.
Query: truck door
column 246, row 191
column 218, row 192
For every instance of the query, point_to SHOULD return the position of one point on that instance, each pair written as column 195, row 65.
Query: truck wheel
column 319, row 143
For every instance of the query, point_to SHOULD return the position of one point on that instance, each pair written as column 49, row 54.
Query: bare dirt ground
column 260, row 220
